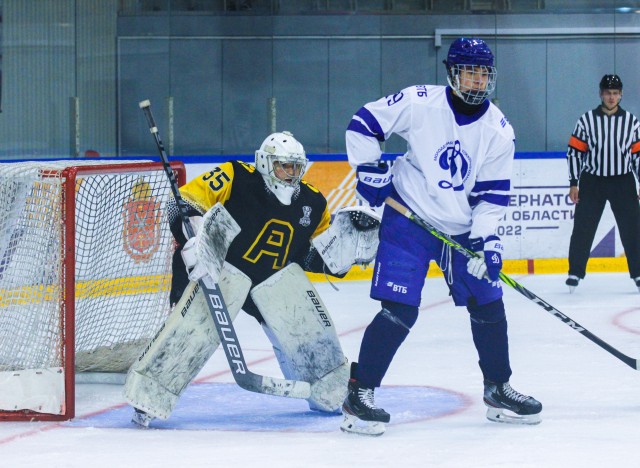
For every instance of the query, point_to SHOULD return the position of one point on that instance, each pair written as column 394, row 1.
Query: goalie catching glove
column 351, row 239
column 489, row 258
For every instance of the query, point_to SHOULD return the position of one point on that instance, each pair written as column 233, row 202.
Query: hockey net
column 85, row 263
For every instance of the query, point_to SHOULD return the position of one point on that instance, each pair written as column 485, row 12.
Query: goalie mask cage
column 85, row 272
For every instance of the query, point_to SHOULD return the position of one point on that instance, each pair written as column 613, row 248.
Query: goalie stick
column 631, row 362
column 219, row 312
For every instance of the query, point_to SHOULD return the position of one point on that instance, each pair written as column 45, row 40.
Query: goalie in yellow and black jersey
column 275, row 227
column 277, row 218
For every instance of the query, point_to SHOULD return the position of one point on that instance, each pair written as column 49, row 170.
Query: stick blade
column 274, row 386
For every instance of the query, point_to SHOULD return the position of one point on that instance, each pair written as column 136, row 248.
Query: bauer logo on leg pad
column 300, row 325
column 190, row 299
column 153, row 340
column 319, row 308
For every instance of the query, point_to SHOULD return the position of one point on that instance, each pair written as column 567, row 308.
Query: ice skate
column 572, row 282
column 637, row 281
column 522, row 409
column 361, row 415
column 141, row 419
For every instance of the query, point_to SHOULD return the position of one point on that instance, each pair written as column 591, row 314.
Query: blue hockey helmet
column 469, row 51
column 473, row 58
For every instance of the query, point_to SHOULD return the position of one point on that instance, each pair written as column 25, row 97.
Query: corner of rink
column 207, row 407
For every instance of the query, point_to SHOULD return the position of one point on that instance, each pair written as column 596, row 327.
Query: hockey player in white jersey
column 456, row 175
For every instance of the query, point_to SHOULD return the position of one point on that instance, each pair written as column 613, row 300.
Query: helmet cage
column 281, row 160
column 291, row 168
column 479, row 81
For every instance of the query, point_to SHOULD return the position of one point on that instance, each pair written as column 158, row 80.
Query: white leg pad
column 329, row 392
column 303, row 336
column 182, row 346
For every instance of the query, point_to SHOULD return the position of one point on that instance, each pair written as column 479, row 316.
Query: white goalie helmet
column 282, row 161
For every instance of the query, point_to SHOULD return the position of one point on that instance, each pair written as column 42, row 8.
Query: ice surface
column 433, row 390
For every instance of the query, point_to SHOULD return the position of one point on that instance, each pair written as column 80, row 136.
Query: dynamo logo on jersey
column 453, row 159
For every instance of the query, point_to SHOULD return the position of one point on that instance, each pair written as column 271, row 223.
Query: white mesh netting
column 123, row 250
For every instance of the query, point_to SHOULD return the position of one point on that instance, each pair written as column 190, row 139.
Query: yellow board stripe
column 510, row 267
column 90, row 289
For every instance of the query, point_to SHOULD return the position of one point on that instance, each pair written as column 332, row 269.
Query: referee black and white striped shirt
column 604, row 145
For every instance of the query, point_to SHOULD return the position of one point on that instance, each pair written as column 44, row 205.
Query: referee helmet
column 611, row 82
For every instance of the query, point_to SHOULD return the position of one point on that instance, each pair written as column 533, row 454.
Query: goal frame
column 69, row 175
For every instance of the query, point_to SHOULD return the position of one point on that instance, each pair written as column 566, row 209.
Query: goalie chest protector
column 272, row 234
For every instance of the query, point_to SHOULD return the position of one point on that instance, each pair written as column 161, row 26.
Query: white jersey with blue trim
column 456, row 172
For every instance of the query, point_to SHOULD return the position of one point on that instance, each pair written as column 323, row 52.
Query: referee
column 604, row 163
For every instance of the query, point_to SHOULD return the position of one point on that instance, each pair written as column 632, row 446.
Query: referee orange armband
column 578, row 144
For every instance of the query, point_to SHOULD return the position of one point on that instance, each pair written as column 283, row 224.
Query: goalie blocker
column 296, row 322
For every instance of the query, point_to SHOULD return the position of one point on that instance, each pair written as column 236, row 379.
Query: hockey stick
column 631, row 362
column 219, row 312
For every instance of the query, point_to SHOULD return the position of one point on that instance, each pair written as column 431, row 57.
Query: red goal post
column 85, row 272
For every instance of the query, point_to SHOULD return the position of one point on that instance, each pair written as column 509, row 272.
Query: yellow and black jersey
column 273, row 235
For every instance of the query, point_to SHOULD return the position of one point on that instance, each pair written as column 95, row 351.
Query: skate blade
column 571, row 289
column 499, row 415
column 354, row 425
column 141, row 420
